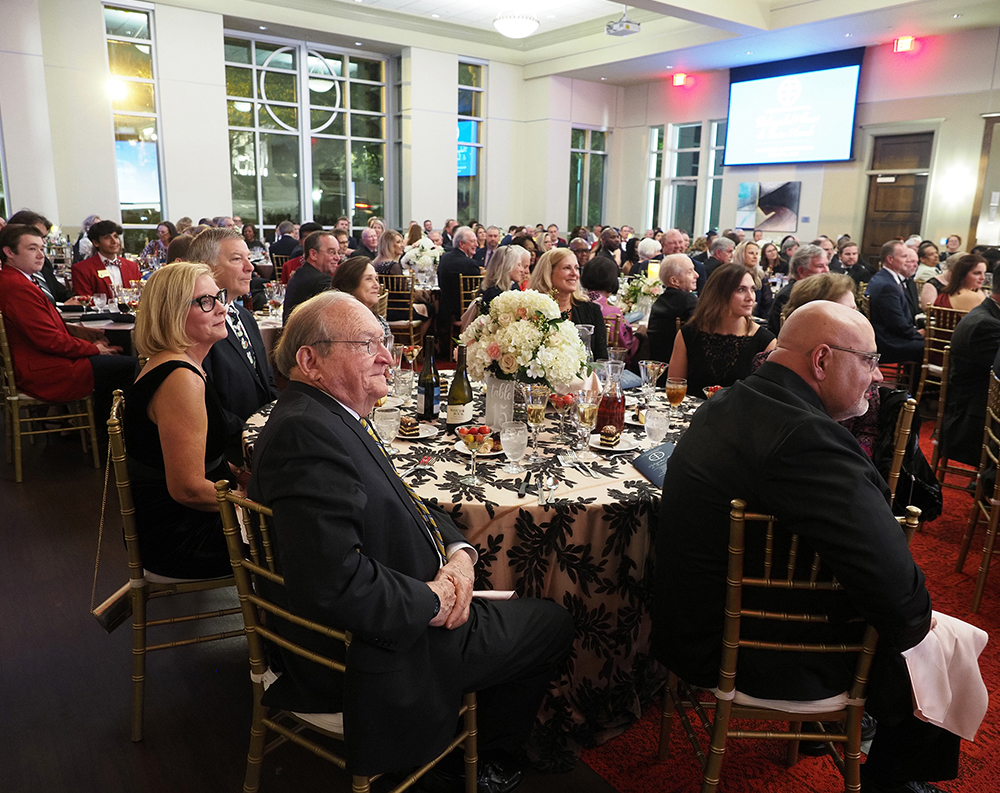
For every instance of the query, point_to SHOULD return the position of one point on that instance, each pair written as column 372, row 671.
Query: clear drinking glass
column 100, row 301
column 676, row 389
column 514, row 439
column 656, row 426
column 651, row 371
column 537, row 397
column 586, row 413
column 402, row 385
column 387, row 426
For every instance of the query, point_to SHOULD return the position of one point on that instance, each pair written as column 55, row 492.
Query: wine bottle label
column 460, row 414
column 422, row 402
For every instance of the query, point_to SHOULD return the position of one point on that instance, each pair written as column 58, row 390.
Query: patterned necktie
column 241, row 334
column 429, row 523
column 40, row 280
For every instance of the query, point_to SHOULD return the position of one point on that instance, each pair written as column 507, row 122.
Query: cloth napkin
column 948, row 688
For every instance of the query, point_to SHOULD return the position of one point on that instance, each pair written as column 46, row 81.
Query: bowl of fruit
column 710, row 389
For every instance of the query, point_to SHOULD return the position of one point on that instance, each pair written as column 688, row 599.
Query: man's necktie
column 241, row 334
column 40, row 280
column 429, row 523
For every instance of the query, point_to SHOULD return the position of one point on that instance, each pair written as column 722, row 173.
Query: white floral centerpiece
column 639, row 286
column 524, row 337
column 422, row 255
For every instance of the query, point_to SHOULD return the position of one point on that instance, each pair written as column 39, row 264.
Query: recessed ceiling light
column 604, row 78
column 956, row 16
column 357, row 43
column 670, row 66
column 435, row 16
column 749, row 52
column 848, row 35
column 550, row 16
column 263, row 27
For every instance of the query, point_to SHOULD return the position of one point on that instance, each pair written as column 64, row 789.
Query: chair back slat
column 116, row 448
column 902, row 436
column 614, row 326
column 9, row 384
column 469, row 286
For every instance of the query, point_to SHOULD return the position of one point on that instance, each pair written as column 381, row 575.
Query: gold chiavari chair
column 940, row 461
column 144, row 585
column 469, row 286
column 986, row 501
column 865, row 305
column 254, row 562
column 902, row 436
column 859, row 293
column 755, row 536
column 25, row 416
column 399, row 302
column 614, row 326
column 940, row 326
column 383, row 303
column 278, row 261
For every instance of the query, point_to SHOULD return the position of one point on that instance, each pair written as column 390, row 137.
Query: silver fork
column 425, row 462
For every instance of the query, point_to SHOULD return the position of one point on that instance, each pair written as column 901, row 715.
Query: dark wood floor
column 65, row 691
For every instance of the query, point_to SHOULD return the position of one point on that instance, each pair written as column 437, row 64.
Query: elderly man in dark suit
column 367, row 555
column 455, row 263
column 774, row 441
column 285, row 241
column 236, row 365
column 322, row 255
column 974, row 348
column 894, row 305
column 677, row 302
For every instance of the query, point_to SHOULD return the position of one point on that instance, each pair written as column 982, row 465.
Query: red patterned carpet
column 629, row 762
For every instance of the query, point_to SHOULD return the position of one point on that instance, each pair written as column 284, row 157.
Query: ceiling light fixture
column 848, row 35
column 515, row 24
column 263, row 27
column 680, row 79
column 956, row 16
column 435, row 16
column 903, row 44
column 357, row 43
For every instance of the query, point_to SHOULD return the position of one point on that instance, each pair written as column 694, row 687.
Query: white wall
column 27, row 136
column 192, row 84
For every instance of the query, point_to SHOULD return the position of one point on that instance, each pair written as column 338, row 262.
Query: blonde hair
column 164, row 307
column 739, row 258
column 541, row 277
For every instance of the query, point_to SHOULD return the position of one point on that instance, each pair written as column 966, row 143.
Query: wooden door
column 896, row 201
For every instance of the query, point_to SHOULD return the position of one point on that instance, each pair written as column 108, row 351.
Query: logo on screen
column 789, row 91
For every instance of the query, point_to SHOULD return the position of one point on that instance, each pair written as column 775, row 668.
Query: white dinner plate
column 631, row 401
column 423, row 431
column 626, row 444
column 460, row 446
column 630, row 418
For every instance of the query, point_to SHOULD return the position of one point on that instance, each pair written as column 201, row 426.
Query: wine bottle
column 429, row 385
column 460, row 395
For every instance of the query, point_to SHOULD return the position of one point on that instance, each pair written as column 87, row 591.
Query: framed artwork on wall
column 769, row 206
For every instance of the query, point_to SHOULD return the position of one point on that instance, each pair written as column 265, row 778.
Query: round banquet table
column 590, row 549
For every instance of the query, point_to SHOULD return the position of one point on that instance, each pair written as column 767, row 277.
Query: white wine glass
column 586, row 413
column 514, row 439
column 656, row 426
column 537, row 397
column 387, row 426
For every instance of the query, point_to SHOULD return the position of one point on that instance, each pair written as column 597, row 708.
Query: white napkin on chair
column 948, row 688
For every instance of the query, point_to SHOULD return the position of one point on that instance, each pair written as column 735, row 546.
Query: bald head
column 810, row 344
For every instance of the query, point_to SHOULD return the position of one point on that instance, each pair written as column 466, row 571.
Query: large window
column 587, row 167
column 307, row 132
column 676, row 178
column 471, row 110
column 132, row 85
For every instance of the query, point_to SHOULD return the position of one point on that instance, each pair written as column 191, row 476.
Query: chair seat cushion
column 328, row 722
column 789, row 705
column 403, row 323
column 934, row 369
column 156, row 578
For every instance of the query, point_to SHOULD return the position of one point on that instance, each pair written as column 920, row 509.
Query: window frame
column 150, row 10
column 480, row 144
column 588, row 151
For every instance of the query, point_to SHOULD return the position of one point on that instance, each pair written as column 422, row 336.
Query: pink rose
column 522, row 313
column 493, row 350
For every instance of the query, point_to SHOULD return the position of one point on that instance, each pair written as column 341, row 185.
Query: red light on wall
column 680, row 78
column 903, row 44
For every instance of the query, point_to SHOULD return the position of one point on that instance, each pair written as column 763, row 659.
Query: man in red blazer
column 105, row 268
column 49, row 363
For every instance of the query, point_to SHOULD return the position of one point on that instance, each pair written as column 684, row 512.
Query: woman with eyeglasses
column 175, row 431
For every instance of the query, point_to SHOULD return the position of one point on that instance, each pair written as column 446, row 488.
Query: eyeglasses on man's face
column 207, row 302
column 871, row 357
column 371, row 345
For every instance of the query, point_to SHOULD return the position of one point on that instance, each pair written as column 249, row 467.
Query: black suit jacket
column 305, row 282
column 769, row 441
column 453, row 264
column 283, row 246
column 672, row 305
column 974, row 349
column 59, row 291
column 356, row 555
column 243, row 388
column 892, row 311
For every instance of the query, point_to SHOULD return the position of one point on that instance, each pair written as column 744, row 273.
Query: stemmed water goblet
column 676, row 390
column 586, row 413
column 656, row 426
column 651, row 372
column 387, row 426
column 536, row 397
column 277, row 297
column 514, row 439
